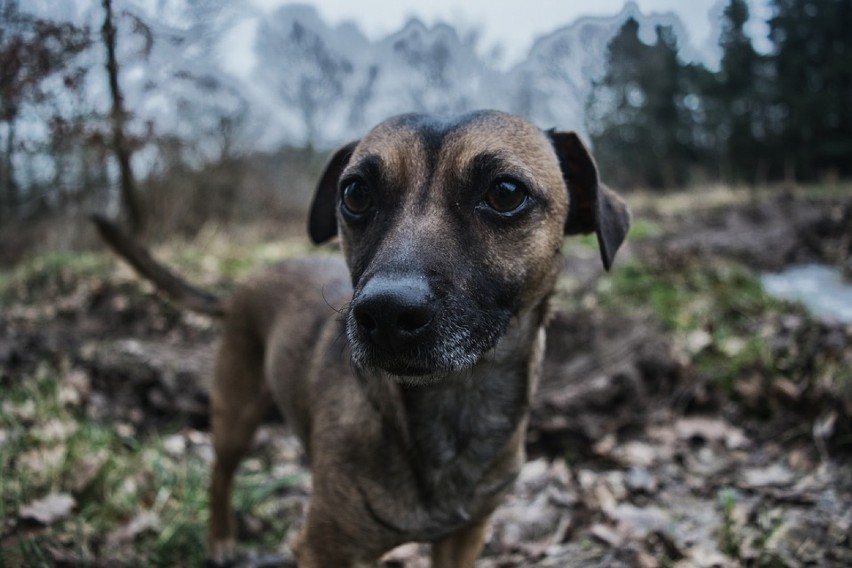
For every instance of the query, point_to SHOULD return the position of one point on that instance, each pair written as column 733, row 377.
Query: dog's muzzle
column 402, row 326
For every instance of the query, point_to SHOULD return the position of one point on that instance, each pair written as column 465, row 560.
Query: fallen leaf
column 824, row 425
column 75, row 388
column 711, row 430
column 640, row 480
column 175, row 445
column 142, row 522
column 410, row 555
column 54, row 430
column 704, row 556
column 776, row 475
column 641, row 454
column 606, row 534
column 638, row 522
column 87, row 470
column 53, row 508
column 24, row 411
column 733, row 346
column 41, row 461
column 787, row 389
column 697, row 341
column 751, row 390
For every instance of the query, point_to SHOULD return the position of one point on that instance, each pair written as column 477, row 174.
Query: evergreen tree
column 812, row 62
column 636, row 115
column 616, row 121
column 736, row 100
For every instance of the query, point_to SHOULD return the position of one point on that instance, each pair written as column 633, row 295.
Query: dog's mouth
column 412, row 375
column 404, row 369
column 450, row 348
column 425, row 364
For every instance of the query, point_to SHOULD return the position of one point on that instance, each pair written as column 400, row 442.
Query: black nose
column 394, row 312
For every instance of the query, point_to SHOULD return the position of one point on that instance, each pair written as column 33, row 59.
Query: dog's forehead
column 427, row 140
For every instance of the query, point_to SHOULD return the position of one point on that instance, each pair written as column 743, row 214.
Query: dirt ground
column 636, row 458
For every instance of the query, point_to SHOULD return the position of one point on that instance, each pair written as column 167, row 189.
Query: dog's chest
column 457, row 451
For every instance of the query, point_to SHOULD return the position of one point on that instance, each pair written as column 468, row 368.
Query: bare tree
column 32, row 50
column 120, row 142
column 314, row 74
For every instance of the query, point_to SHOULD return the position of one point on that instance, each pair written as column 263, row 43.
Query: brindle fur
column 418, row 443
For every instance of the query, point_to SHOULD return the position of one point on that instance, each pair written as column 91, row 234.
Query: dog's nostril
column 413, row 320
column 365, row 320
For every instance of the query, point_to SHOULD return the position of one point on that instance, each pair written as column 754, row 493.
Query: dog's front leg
column 460, row 549
column 321, row 544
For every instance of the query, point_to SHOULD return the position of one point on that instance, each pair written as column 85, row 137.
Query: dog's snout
column 394, row 312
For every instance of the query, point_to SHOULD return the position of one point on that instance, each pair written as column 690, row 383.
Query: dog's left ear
column 593, row 207
column 322, row 220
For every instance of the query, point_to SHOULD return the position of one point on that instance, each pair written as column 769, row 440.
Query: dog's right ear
column 594, row 208
column 322, row 220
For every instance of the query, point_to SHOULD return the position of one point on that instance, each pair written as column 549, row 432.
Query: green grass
column 728, row 541
column 214, row 260
column 639, row 229
column 717, row 312
column 47, row 439
column 132, row 475
column 52, row 273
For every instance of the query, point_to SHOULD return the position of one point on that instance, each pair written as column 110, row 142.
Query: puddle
column 820, row 288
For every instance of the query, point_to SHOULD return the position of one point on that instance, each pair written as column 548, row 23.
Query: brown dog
column 409, row 370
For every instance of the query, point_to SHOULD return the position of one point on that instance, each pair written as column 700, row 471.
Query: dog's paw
column 221, row 553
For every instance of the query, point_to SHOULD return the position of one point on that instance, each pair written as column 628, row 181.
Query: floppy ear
column 592, row 207
column 322, row 220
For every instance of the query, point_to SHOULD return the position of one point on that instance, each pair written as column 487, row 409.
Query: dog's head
column 450, row 228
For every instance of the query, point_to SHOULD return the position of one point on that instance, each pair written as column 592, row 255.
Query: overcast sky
column 516, row 24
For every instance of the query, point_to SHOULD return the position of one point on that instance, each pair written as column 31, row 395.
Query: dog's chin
column 415, row 375
column 411, row 372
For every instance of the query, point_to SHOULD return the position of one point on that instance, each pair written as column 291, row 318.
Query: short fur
column 408, row 368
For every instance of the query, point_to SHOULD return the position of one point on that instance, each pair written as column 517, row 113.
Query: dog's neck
column 469, row 424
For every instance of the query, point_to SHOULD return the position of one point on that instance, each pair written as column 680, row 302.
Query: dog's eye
column 356, row 198
column 506, row 196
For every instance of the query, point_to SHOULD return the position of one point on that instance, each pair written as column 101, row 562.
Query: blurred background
column 695, row 406
column 178, row 112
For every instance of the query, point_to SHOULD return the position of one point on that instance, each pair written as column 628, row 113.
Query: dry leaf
column 697, row 341
column 776, row 475
column 75, row 388
column 606, row 534
column 53, row 508
column 40, row 461
column 637, row 522
column 25, row 412
column 54, row 430
column 410, row 555
column 711, row 430
column 87, row 470
column 142, row 522
column 175, row 445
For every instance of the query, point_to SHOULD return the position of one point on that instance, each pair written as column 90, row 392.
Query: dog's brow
column 370, row 166
column 491, row 164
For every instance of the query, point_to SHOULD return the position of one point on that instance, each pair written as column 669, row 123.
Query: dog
column 407, row 368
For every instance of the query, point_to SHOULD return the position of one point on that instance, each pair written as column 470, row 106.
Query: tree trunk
column 129, row 200
column 9, row 196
